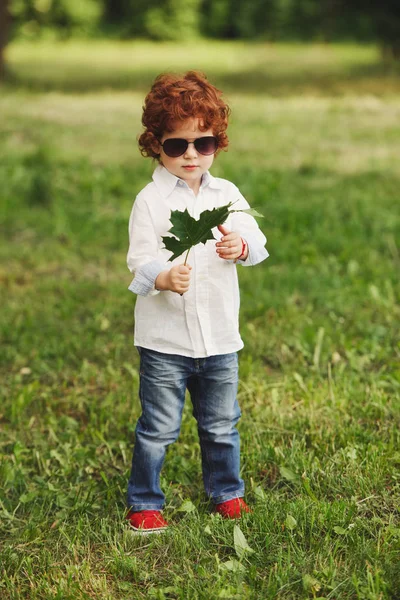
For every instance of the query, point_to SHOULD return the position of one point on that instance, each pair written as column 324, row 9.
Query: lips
column 190, row 167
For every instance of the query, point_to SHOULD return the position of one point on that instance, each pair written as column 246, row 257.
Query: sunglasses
column 175, row 147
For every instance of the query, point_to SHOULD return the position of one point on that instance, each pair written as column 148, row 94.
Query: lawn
column 315, row 146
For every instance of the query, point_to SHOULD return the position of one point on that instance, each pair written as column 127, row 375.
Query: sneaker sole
column 140, row 531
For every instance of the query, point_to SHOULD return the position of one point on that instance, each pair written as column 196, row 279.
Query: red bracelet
column 243, row 249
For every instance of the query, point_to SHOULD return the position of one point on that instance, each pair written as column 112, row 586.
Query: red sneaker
column 147, row 521
column 232, row 509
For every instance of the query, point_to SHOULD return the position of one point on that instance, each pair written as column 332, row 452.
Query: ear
column 155, row 146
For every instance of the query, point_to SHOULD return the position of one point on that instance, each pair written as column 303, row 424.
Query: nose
column 190, row 150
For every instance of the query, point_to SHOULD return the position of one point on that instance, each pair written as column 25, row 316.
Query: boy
column 186, row 316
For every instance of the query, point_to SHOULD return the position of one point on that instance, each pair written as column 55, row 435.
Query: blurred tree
column 169, row 21
column 302, row 19
column 239, row 18
column 64, row 17
column 235, row 19
column 254, row 19
column 215, row 18
column 4, row 32
column 115, row 10
column 126, row 17
column 154, row 19
column 384, row 17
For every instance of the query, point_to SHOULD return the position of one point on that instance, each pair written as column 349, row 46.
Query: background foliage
column 225, row 19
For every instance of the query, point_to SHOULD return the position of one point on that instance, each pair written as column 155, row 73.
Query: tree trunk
column 4, row 24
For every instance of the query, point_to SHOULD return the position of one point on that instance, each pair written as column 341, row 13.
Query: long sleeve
column 249, row 230
column 144, row 258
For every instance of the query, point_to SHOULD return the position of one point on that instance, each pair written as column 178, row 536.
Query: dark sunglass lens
column 206, row 145
column 175, row 147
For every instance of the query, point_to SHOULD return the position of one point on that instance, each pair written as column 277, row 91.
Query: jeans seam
column 211, row 471
column 206, row 452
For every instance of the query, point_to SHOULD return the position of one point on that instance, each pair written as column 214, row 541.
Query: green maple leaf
column 189, row 232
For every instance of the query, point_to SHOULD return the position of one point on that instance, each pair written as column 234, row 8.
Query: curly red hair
column 175, row 98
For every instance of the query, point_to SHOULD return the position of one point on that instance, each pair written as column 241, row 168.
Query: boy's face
column 191, row 165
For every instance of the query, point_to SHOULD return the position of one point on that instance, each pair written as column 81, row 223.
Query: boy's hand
column 231, row 245
column 176, row 279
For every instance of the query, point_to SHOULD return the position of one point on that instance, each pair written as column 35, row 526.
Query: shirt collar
column 208, row 179
column 166, row 182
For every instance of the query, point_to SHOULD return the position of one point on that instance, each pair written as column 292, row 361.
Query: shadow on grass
column 375, row 78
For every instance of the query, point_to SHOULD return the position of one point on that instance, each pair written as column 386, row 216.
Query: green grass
column 314, row 145
column 278, row 70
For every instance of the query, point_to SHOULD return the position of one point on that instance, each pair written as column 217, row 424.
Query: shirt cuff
column 145, row 277
column 256, row 251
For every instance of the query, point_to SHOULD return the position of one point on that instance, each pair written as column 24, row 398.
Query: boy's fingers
column 231, row 252
column 229, row 247
column 228, row 243
column 230, row 237
column 223, row 230
column 182, row 287
column 184, row 268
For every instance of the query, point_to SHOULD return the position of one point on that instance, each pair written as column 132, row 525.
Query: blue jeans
column 212, row 383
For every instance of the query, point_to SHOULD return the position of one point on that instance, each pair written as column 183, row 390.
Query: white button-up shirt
column 205, row 320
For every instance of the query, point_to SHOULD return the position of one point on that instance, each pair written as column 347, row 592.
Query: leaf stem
column 186, row 257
